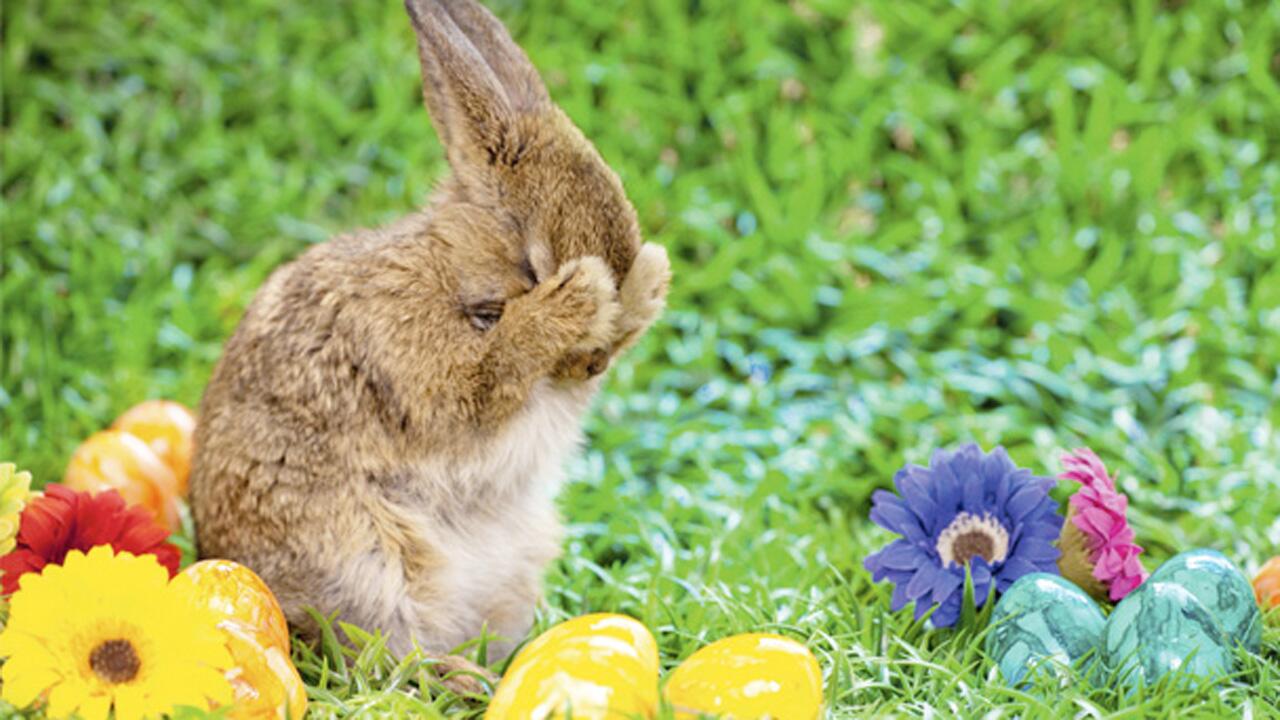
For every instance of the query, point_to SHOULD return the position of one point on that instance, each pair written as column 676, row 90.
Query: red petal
column 100, row 520
column 47, row 522
column 16, row 564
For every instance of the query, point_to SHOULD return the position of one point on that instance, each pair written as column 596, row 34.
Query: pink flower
column 1098, row 552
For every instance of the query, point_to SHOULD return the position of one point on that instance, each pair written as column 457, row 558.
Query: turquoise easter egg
column 1224, row 591
column 1161, row 628
column 1042, row 623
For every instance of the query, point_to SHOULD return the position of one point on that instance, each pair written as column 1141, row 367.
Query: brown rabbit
column 387, row 427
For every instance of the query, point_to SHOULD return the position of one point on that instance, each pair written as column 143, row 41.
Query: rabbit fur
column 386, row 430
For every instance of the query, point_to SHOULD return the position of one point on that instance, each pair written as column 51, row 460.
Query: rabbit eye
column 484, row 315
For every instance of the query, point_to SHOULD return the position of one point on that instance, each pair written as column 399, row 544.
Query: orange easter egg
column 119, row 460
column 239, row 594
column 168, row 427
column 1266, row 586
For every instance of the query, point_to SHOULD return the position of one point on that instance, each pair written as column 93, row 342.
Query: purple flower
column 970, row 509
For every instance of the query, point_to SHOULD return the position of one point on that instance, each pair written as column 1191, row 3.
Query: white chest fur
column 492, row 527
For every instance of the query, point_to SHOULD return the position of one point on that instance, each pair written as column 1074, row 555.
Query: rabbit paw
column 644, row 291
column 581, row 297
column 461, row 676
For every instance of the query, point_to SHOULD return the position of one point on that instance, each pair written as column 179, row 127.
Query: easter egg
column 263, row 679
column 1266, row 586
column 264, row 682
column 168, row 428
column 1161, row 628
column 1221, row 588
column 1043, row 622
column 119, row 460
column 237, row 593
column 748, row 676
column 589, row 668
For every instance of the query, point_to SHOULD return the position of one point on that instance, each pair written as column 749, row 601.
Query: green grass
column 894, row 225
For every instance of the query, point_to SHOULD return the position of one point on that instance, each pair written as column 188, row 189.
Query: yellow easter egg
column 264, row 682
column 746, row 677
column 597, row 667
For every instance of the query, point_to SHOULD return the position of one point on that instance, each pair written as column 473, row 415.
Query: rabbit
column 385, row 432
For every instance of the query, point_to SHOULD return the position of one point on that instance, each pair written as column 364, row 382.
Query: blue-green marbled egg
column 1042, row 622
column 1160, row 628
column 1220, row 586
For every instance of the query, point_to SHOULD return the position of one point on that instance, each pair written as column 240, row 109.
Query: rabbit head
column 526, row 184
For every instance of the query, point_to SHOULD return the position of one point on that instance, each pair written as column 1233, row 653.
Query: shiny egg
column 1162, row 628
column 746, row 677
column 263, row 678
column 594, row 667
column 1043, row 623
column 1221, row 588
column 237, row 593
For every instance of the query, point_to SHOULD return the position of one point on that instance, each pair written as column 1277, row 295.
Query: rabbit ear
column 468, row 104
column 506, row 59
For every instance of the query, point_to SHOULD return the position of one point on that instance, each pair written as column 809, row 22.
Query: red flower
column 64, row 520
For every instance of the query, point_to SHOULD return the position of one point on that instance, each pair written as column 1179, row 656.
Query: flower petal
column 1025, row 499
column 903, row 555
column 913, row 489
column 891, row 513
column 944, row 586
column 1012, row 570
column 899, row 599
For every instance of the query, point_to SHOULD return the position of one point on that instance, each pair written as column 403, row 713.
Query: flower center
column 115, row 661
column 969, row 535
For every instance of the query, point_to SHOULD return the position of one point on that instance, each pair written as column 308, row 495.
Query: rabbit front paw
column 644, row 291
column 581, row 299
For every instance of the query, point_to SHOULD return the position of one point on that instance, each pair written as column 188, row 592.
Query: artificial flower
column 967, row 510
column 15, row 491
column 108, row 631
column 63, row 520
column 1098, row 552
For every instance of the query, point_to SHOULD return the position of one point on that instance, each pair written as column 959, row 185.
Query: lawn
column 894, row 226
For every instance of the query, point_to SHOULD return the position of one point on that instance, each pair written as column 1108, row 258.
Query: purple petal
column 922, row 583
column 900, row 598
column 914, row 489
column 891, row 513
column 902, row 555
column 944, row 586
column 980, row 570
column 947, row 613
column 1024, row 500
column 1037, row 551
column 995, row 466
column 922, row 608
column 1013, row 569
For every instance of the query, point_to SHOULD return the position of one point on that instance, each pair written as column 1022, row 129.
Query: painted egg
column 1043, row 623
column 265, row 682
column 748, row 676
column 115, row 459
column 1266, row 586
column 168, row 427
column 590, row 668
column 1223, row 590
column 1161, row 628
column 237, row 593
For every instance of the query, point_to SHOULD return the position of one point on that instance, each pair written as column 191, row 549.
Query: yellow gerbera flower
column 15, row 490
column 108, row 630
